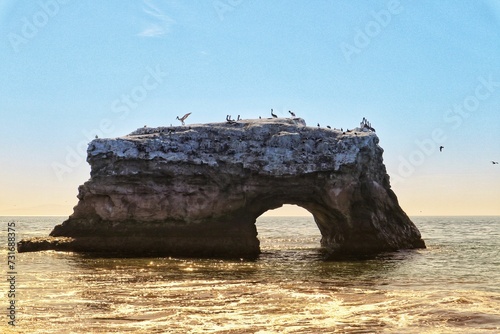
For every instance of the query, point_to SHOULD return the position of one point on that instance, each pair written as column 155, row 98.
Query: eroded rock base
column 146, row 246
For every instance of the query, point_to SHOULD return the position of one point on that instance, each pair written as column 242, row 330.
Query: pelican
column 291, row 113
column 272, row 114
column 183, row 118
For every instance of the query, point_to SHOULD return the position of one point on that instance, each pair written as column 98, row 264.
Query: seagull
column 291, row 113
column 272, row 114
column 183, row 118
column 441, row 148
column 495, row 162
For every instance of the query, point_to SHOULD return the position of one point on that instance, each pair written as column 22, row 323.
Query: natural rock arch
column 197, row 191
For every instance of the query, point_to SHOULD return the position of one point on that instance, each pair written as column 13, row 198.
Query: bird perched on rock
column 318, row 125
column 328, row 126
column 291, row 113
column 183, row 118
column 272, row 114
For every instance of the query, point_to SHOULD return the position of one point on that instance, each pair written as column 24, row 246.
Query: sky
column 424, row 73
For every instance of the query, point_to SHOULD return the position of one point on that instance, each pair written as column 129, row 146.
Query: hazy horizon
column 287, row 210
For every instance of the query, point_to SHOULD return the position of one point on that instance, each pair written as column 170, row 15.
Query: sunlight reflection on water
column 445, row 288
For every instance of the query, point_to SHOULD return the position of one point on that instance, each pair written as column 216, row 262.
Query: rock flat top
column 279, row 146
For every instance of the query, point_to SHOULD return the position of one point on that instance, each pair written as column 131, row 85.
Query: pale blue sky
column 71, row 69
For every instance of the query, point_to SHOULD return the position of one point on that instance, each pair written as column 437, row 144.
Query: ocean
column 453, row 286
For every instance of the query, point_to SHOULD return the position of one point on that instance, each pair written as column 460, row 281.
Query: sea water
column 453, row 286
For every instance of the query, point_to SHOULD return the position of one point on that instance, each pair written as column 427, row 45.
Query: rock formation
column 198, row 190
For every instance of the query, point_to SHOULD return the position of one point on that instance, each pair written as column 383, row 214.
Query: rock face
column 198, row 190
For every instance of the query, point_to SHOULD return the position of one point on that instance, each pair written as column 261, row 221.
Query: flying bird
column 272, row 114
column 183, row 118
column 495, row 162
column 441, row 148
column 291, row 113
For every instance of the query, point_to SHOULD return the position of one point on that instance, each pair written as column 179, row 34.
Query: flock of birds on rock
column 363, row 125
column 366, row 125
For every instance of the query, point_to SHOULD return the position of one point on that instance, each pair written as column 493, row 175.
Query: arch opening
column 332, row 224
column 289, row 231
